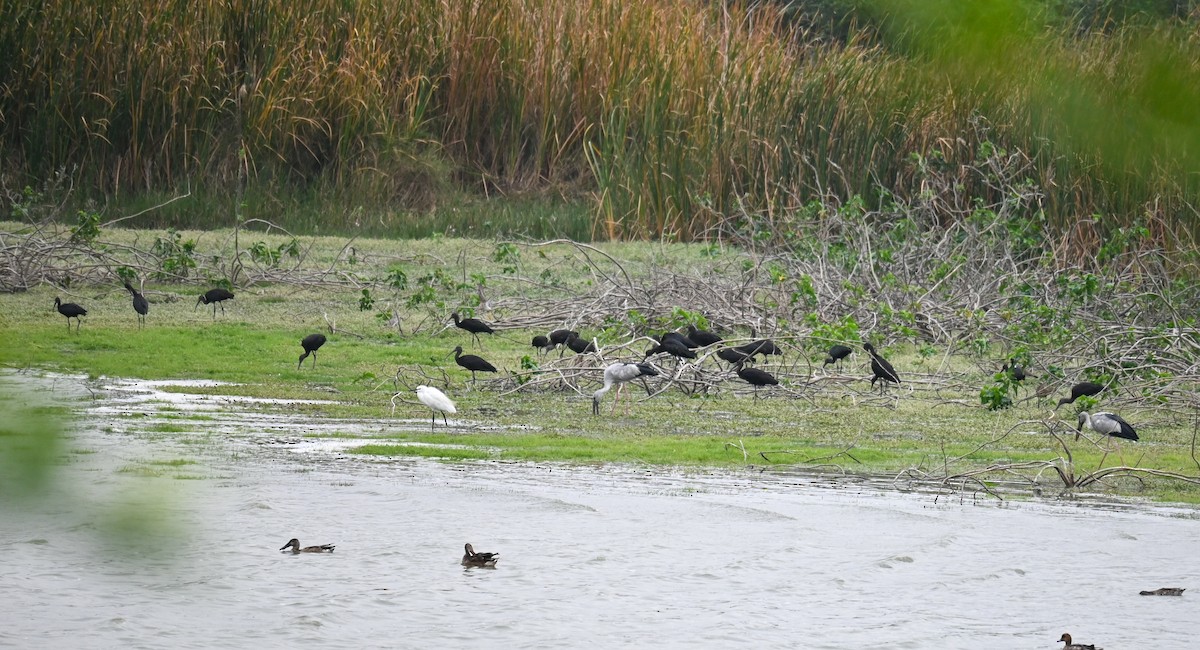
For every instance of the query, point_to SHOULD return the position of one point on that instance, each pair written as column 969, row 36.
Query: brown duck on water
column 294, row 545
column 471, row 558
column 1066, row 638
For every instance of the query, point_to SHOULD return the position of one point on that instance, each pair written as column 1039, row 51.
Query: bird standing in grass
column 620, row 373
column 702, row 337
column 1082, row 389
column 1110, row 424
column 472, row 362
column 543, row 344
column 578, row 344
column 880, row 368
column 311, row 344
column 756, row 378
column 559, row 338
column 836, row 354
column 437, row 401
column 294, row 545
column 672, row 347
column 761, row 346
column 214, row 297
column 733, row 355
column 472, row 325
column 70, row 310
column 471, row 558
column 140, row 304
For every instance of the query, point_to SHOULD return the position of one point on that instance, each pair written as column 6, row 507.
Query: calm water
column 590, row 557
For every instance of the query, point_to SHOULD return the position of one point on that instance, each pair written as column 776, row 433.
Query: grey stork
column 620, row 373
column 1110, row 424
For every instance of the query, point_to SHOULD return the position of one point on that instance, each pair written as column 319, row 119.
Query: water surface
column 605, row 556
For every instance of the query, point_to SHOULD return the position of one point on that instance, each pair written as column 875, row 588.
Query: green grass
column 927, row 424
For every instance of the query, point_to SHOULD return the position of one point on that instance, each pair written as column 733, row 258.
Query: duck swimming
column 1066, row 638
column 471, row 558
column 294, row 544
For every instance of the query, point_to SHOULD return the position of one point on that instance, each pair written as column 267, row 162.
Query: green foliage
column 365, row 301
column 87, row 227
column 270, row 257
column 126, row 274
column 508, row 255
column 397, row 278
column 176, row 258
column 843, row 330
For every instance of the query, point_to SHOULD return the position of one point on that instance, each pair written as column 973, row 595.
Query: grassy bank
column 538, row 408
column 660, row 119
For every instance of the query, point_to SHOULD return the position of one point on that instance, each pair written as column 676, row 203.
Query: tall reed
column 669, row 116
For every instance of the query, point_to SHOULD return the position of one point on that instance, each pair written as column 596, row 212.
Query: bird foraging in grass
column 1110, row 424
column 70, row 310
column 756, row 378
column 214, row 297
column 620, row 373
column 472, row 362
column 881, row 370
column 1082, row 389
column 836, row 354
column 437, row 401
column 310, row 344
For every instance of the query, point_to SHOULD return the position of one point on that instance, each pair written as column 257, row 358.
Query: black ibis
column 678, row 338
column 836, row 354
column 880, row 368
column 140, row 304
column 761, row 346
column 70, row 310
column 580, row 345
column 1066, row 638
column 472, row 325
column 471, row 558
column 437, row 402
column 672, row 347
column 620, row 373
column 1082, row 389
column 543, row 344
column 214, row 297
column 702, row 337
column 311, row 344
column 733, row 355
column 1015, row 371
column 472, row 362
column 756, row 378
column 559, row 338
column 294, row 546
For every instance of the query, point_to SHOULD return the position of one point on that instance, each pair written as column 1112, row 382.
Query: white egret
column 437, row 401
column 620, row 373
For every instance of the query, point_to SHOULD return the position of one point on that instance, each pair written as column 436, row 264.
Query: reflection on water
column 589, row 556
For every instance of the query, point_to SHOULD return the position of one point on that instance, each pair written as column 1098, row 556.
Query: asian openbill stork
column 881, row 370
column 471, row 362
column 214, row 297
column 140, row 304
column 1082, row 389
column 702, row 337
column 437, row 402
column 1110, row 424
column 311, row 344
column 836, row 354
column 620, row 373
column 472, row 325
column 70, row 310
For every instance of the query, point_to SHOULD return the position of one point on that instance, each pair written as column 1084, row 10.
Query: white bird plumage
column 620, row 373
column 437, row 401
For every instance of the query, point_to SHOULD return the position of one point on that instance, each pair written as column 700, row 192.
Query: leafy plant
column 365, row 301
